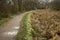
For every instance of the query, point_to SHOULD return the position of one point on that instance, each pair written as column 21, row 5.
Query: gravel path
column 9, row 29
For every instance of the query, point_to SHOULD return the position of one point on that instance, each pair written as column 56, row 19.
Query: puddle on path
column 17, row 27
column 10, row 33
column 13, row 32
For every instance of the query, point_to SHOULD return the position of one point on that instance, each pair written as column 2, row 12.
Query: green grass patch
column 24, row 32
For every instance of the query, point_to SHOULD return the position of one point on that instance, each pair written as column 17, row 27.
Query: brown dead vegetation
column 46, row 25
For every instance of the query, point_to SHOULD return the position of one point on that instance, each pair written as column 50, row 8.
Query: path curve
column 9, row 29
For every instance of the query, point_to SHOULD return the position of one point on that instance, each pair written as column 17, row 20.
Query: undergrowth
column 46, row 25
column 3, row 20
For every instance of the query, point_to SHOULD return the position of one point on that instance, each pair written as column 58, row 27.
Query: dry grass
column 46, row 24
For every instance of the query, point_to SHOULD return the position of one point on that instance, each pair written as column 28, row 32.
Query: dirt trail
column 9, row 29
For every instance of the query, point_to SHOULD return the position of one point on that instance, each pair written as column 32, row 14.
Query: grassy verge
column 3, row 20
column 24, row 32
column 40, row 25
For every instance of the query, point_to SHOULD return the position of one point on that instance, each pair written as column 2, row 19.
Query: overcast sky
column 45, row 0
